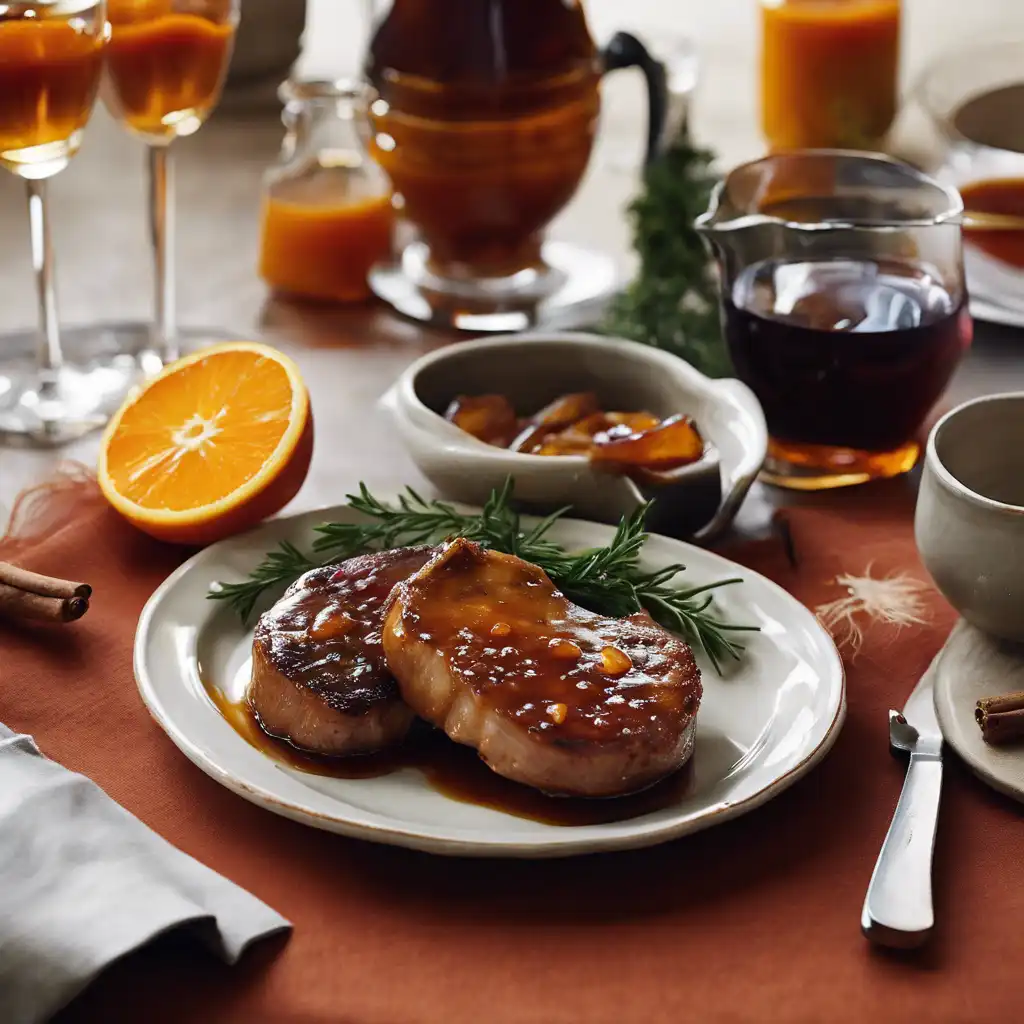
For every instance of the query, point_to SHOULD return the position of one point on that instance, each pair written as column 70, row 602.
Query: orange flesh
column 198, row 435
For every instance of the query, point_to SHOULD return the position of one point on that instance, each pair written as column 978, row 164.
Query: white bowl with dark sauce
column 699, row 499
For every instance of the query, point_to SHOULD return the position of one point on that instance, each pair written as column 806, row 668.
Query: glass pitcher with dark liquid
column 483, row 113
column 843, row 306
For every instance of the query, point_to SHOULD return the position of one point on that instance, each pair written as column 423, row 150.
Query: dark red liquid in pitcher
column 842, row 352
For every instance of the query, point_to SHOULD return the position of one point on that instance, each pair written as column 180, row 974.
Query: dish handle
column 741, row 462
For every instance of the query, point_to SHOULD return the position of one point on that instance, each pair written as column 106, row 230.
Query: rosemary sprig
column 281, row 566
column 673, row 302
column 609, row 580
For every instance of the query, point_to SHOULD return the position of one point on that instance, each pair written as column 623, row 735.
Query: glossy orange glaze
column 49, row 74
column 566, row 410
column 325, row 633
column 829, row 71
column 165, row 71
column 319, row 239
column 557, row 416
column 666, row 445
column 1004, row 196
column 581, row 437
column 631, row 679
column 489, row 418
column 574, row 424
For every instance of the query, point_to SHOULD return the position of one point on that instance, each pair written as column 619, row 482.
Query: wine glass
column 165, row 69
column 51, row 57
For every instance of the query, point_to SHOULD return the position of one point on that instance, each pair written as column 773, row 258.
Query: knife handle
column 898, row 908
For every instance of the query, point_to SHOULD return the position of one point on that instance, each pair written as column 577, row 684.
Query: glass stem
column 50, row 355
column 161, row 191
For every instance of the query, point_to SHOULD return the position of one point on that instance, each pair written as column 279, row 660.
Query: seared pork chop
column 319, row 678
column 485, row 647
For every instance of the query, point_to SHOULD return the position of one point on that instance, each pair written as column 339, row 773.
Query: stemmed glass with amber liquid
column 51, row 56
column 165, row 69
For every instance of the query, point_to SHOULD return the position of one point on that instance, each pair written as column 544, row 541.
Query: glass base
column 102, row 363
column 814, row 467
column 46, row 408
column 569, row 289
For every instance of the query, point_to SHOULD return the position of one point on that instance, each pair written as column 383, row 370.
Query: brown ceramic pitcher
column 483, row 113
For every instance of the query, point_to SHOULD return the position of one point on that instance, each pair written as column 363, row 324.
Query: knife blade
column 898, row 908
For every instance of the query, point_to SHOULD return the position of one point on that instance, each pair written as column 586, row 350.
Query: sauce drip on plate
column 454, row 771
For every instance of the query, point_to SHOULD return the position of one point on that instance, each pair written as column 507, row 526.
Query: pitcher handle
column 624, row 50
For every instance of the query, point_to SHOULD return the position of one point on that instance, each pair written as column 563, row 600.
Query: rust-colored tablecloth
column 755, row 920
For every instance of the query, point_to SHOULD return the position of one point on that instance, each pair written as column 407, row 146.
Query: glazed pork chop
column 485, row 647
column 319, row 679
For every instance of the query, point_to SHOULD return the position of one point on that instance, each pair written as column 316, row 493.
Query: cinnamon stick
column 30, row 595
column 36, row 583
column 1001, row 718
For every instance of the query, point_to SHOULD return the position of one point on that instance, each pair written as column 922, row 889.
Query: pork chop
column 484, row 646
column 319, row 678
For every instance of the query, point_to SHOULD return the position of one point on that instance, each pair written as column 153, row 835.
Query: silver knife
column 898, row 908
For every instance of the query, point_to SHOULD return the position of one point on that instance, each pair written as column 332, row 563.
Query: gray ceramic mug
column 970, row 512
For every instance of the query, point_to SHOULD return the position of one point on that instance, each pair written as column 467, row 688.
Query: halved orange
column 212, row 445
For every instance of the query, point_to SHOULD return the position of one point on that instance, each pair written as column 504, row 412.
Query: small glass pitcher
column 327, row 207
column 843, row 306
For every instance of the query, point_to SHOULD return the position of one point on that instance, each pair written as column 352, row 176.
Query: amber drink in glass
column 51, row 57
column 165, row 70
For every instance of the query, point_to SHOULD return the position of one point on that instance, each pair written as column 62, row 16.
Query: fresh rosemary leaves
column 673, row 303
column 608, row 580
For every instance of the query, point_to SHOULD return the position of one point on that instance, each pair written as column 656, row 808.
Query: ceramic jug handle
column 624, row 50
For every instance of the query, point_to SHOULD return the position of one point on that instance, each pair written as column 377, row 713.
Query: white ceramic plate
column 758, row 730
column 995, row 290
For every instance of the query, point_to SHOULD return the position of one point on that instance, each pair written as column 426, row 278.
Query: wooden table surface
column 350, row 356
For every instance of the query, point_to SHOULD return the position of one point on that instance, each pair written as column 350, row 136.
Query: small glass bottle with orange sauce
column 327, row 213
column 829, row 72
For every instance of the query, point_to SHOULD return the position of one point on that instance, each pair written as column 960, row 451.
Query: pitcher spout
column 798, row 204
column 733, row 235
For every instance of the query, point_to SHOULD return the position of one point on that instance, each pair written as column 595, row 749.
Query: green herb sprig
column 673, row 302
column 608, row 580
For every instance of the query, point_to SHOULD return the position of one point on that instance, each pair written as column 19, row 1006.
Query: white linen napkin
column 83, row 882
